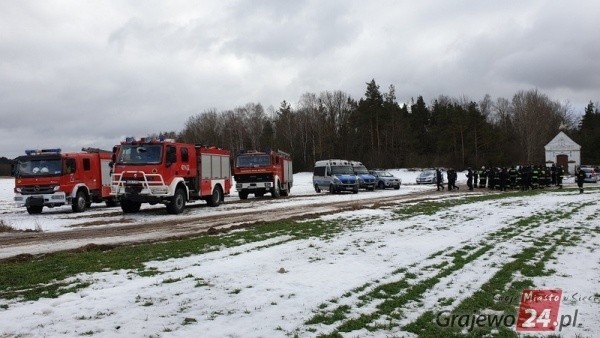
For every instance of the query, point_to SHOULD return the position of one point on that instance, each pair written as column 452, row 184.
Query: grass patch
column 528, row 263
column 44, row 276
column 432, row 207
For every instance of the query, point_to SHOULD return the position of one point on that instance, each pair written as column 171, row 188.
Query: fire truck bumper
column 253, row 186
column 48, row 200
column 152, row 195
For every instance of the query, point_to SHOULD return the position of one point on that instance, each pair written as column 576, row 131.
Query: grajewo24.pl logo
column 538, row 311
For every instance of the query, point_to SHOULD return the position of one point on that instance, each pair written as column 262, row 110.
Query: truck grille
column 38, row 189
column 253, row 178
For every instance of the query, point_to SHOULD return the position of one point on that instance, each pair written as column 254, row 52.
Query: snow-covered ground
column 62, row 219
column 245, row 294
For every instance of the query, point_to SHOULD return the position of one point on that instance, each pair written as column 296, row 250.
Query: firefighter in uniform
column 482, row 177
column 475, row 178
column 535, row 175
column 526, row 178
column 503, row 177
column 542, row 177
column 512, row 175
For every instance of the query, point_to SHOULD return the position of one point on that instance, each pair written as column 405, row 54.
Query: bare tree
column 536, row 120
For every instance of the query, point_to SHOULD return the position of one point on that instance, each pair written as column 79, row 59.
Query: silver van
column 335, row 176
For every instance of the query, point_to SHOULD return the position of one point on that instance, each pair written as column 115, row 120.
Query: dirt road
column 112, row 228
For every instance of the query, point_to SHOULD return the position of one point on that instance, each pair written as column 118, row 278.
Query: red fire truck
column 258, row 172
column 50, row 178
column 155, row 170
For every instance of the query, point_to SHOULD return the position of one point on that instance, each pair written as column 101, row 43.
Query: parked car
column 365, row 179
column 386, row 180
column 591, row 176
column 428, row 177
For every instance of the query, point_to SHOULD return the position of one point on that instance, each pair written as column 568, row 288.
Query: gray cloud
column 78, row 74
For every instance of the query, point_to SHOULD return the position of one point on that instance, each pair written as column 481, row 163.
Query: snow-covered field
column 279, row 286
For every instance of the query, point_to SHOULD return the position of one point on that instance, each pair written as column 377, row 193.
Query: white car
column 384, row 179
column 428, row 177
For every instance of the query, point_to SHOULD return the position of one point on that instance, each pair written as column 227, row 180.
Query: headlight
column 336, row 180
column 56, row 188
column 17, row 190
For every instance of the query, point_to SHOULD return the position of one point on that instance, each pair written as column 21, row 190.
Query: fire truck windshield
column 140, row 154
column 30, row 167
column 253, row 161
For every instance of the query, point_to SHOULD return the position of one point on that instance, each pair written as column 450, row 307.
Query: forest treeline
column 380, row 132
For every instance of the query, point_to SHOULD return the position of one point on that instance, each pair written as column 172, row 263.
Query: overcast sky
column 87, row 73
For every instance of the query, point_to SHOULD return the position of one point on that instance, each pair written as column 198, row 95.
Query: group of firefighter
column 522, row 178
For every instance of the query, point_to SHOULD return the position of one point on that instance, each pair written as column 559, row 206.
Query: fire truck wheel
column 317, row 189
column 130, row 207
column 79, row 202
column 177, row 202
column 275, row 192
column 243, row 195
column 35, row 209
column 215, row 199
column 286, row 192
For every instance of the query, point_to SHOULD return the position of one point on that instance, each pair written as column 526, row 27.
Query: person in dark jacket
column 470, row 178
column 491, row 178
column 580, row 178
column 451, row 173
column 475, row 177
column 454, row 178
column 439, row 179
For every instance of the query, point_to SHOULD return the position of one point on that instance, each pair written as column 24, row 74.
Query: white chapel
column 563, row 151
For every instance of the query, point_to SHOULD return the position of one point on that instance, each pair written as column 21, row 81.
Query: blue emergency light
column 42, row 151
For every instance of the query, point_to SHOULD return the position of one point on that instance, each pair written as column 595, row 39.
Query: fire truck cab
column 260, row 172
column 49, row 178
column 156, row 170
